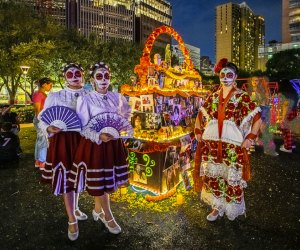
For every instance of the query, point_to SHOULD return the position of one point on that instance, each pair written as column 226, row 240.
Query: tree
column 284, row 64
column 23, row 40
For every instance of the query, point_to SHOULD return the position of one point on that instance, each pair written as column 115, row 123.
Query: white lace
column 232, row 210
column 231, row 174
column 91, row 134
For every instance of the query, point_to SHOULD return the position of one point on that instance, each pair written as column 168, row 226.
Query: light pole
column 25, row 70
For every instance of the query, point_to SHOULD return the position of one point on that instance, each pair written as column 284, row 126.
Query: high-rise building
column 206, row 65
column 128, row 20
column 193, row 51
column 266, row 52
column 150, row 14
column 105, row 19
column 239, row 32
column 290, row 21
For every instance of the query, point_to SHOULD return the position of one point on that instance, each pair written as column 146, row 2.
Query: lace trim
column 91, row 134
column 232, row 210
column 231, row 174
column 246, row 123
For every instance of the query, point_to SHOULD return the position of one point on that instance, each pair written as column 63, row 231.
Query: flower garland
column 162, row 196
column 127, row 90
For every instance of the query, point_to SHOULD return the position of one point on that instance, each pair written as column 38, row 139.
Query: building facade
column 150, row 14
column 193, row 51
column 206, row 67
column 238, row 33
column 125, row 20
column 290, row 21
column 266, row 52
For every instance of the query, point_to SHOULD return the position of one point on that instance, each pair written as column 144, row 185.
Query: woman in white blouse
column 100, row 164
column 63, row 145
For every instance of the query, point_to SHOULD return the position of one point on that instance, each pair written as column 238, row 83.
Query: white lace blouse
column 95, row 103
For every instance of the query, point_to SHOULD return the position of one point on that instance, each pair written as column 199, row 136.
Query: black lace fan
column 111, row 123
column 62, row 117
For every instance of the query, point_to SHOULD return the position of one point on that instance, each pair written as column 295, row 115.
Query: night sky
column 194, row 20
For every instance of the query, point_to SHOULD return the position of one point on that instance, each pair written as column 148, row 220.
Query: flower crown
column 224, row 63
column 72, row 65
column 98, row 65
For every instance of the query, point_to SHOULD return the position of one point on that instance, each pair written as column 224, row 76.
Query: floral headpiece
column 224, row 63
column 72, row 65
column 98, row 65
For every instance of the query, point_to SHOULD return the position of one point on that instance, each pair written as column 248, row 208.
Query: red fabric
column 39, row 97
column 60, row 155
column 291, row 115
column 103, row 167
column 221, row 117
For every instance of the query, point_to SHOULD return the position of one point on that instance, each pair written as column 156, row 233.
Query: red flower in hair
column 220, row 65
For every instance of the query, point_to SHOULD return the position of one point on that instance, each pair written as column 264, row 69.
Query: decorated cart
column 165, row 101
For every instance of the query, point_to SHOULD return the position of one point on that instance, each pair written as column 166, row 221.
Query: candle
column 123, row 190
column 179, row 199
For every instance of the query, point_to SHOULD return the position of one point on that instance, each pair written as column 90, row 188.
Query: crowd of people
column 75, row 159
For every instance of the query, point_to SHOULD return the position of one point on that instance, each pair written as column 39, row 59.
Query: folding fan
column 62, row 117
column 111, row 123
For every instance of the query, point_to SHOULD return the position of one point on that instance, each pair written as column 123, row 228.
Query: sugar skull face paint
column 74, row 77
column 227, row 76
column 102, row 78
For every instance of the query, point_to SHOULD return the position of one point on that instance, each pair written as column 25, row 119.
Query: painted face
column 74, row 77
column 102, row 78
column 227, row 76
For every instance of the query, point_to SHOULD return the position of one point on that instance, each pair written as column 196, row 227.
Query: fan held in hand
column 111, row 123
column 62, row 117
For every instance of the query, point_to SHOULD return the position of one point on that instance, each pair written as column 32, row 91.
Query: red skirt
column 100, row 168
column 59, row 161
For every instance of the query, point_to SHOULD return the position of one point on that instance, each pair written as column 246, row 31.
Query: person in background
column 289, row 100
column 9, row 144
column 41, row 143
column 225, row 128
column 12, row 117
column 63, row 146
column 100, row 165
column 259, row 93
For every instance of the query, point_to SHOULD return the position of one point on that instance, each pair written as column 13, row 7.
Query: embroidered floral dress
column 220, row 161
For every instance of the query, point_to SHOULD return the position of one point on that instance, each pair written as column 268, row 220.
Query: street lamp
column 25, row 70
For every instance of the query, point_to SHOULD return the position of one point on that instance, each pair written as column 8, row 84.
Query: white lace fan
column 62, row 117
column 111, row 123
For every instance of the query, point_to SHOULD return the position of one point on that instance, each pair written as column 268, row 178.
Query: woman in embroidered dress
column 100, row 165
column 225, row 128
column 63, row 145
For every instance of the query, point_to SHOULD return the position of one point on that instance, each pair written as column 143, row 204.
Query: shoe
column 271, row 153
column 114, row 230
column 283, row 149
column 37, row 163
column 81, row 216
column 73, row 236
column 42, row 165
column 212, row 217
column 97, row 216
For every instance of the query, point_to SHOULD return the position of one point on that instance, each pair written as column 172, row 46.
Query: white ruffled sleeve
column 124, row 107
column 84, row 113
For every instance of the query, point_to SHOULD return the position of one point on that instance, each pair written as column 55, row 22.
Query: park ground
column 32, row 218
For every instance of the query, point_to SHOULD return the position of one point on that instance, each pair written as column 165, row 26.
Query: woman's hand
column 106, row 137
column 247, row 143
column 53, row 129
